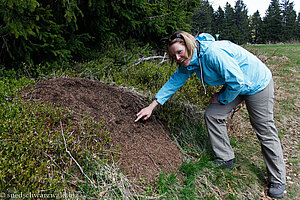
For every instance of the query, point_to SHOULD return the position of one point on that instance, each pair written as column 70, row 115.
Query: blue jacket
column 222, row 63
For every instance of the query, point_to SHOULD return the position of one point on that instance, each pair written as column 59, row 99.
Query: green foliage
column 142, row 20
column 33, row 152
column 41, row 32
column 289, row 20
column 202, row 181
column 165, row 185
column 234, row 24
column 29, row 34
column 168, row 187
column 298, row 26
column 219, row 19
column 230, row 27
column 34, row 33
column 256, row 28
column 272, row 25
column 202, row 19
column 242, row 23
column 26, row 139
column 10, row 86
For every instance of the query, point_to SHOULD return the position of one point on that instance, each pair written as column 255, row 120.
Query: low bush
column 43, row 147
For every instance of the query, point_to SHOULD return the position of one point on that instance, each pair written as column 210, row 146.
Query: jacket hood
column 205, row 40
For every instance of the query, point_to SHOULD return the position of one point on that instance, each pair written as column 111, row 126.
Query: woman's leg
column 260, row 109
column 215, row 118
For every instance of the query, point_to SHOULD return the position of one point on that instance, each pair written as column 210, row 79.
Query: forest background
column 45, row 32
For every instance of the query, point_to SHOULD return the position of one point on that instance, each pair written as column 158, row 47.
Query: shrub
column 34, row 138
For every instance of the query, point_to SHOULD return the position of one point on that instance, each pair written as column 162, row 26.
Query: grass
column 34, row 157
column 284, row 62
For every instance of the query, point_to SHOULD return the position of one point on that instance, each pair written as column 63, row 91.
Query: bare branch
column 149, row 58
column 163, row 60
column 62, row 132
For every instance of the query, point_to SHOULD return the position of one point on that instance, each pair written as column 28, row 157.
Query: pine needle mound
column 146, row 148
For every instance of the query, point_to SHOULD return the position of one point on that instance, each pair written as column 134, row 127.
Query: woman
column 244, row 77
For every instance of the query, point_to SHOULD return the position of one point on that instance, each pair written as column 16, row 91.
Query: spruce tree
column 298, row 28
column 242, row 22
column 30, row 34
column 289, row 18
column 202, row 19
column 272, row 23
column 256, row 23
column 219, row 22
column 230, row 29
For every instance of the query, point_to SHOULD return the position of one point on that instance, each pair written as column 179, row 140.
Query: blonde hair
column 183, row 38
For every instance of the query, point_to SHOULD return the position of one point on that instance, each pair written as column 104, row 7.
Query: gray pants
column 260, row 109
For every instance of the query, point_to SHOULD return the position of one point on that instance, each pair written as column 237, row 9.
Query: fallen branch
column 163, row 60
column 149, row 58
column 62, row 132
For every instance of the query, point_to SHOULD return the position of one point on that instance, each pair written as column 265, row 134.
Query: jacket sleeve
column 173, row 84
column 229, row 70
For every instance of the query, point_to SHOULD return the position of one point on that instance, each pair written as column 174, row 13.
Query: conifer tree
column 298, row 28
column 242, row 22
column 256, row 23
column 30, row 34
column 230, row 29
column 202, row 19
column 36, row 31
column 289, row 18
column 272, row 23
column 219, row 22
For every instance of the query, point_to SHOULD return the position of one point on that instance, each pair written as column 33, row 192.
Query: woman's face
column 178, row 52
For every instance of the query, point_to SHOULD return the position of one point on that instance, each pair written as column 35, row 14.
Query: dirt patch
column 146, row 147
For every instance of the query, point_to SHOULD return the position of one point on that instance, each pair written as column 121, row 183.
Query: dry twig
column 80, row 168
column 149, row 58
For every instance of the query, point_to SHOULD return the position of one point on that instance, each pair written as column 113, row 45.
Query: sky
column 252, row 5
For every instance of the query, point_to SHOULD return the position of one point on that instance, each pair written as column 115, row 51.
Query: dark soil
column 146, row 146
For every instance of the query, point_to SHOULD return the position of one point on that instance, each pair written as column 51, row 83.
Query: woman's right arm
column 177, row 80
column 169, row 88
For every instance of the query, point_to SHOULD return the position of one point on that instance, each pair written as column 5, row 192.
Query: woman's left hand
column 214, row 99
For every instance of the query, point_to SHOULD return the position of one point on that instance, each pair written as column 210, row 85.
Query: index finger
column 139, row 117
